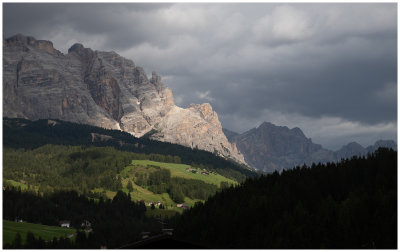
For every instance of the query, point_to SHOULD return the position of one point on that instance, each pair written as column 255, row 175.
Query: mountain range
column 103, row 89
column 270, row 147
column 107, row 90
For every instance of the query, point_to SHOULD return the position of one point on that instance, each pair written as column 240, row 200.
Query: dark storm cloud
column 330, row 69
column 115, row 23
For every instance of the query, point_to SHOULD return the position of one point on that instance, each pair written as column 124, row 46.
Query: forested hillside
column 21, row 133
column 351, row 204
column 102, row 171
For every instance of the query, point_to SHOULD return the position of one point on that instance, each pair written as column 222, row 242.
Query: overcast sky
column 329, row 69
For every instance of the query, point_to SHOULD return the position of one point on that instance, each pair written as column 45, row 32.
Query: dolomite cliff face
column 198, row 127
column 102, row 89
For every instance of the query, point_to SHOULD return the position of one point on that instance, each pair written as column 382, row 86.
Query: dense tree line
column 192, row 188
column 351, row 204
column 82, row 241
column 38, row 243
column 22, row 133
column 160, row 181
column 114, row 222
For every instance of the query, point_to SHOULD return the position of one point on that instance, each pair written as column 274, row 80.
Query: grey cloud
column 312, row 60
column 121, row 25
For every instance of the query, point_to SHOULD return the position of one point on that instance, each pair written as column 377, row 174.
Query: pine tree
column 130, row 186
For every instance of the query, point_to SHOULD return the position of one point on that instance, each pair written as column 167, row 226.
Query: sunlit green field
column 179, row 170
column 16, row 184
column 11, row 228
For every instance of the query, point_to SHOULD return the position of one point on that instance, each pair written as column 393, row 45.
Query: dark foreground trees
column 351, row 204
column 113, row 222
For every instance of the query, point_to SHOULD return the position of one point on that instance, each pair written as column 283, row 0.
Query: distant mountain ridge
column 269, row 147
column 382, row 143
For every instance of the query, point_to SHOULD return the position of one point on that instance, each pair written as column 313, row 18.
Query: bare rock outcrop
column 102, row 89
column 196, row 127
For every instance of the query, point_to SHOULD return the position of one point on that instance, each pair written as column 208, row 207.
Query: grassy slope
column 16, row 184
column 23, row 185
column 179, row 170
column 140, row 193
column 11, row 228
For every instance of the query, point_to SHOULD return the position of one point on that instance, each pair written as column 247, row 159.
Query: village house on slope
column 65, row 223
column 184, row 206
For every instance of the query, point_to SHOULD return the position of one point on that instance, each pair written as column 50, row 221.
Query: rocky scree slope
column 102, row 89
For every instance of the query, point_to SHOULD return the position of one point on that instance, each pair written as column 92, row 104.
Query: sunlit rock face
column 197, row 127
column 102, row 89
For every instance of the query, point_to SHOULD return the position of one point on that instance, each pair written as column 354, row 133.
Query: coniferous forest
column 351, row 204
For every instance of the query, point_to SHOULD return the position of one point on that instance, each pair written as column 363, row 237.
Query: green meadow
column 11, row 228
column 179, row 170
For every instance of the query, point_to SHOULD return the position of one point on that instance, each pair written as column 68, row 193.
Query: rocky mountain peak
column 350, row 149
column 270, row 128
column 297, row 131
column 354, row 145
column 270, row 147
column 266, row 125
column 20, row 40
column 45, row 45
column 85, row 55
column 155, row 79
column 382, row 143
column 141, row 75
column 77, row 47
column 102, row 89
column 205, row 110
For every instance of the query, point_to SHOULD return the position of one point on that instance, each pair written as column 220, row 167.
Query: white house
column 65, row 224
